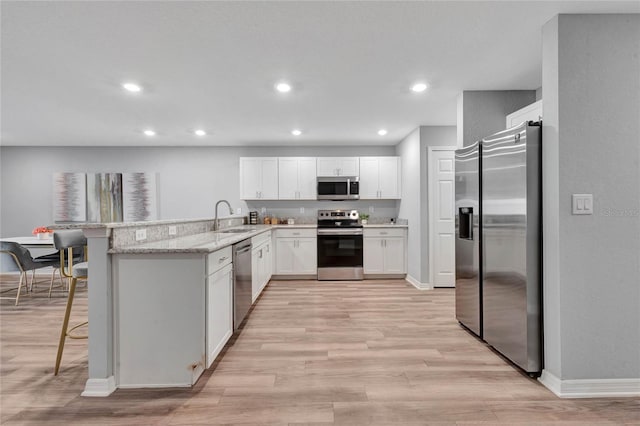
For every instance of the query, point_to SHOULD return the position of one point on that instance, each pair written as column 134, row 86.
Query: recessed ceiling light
column 296, row 132
column 382, row 132
column 283, row 87
column 132, row 87
column 149, row 132
column 419, row 87
column 199, row 132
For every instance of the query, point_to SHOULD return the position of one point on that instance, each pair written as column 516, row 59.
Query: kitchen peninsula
column 117, row 253
column 161, row 296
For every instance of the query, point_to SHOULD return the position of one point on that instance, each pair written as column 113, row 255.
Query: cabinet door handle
column 222, row 259
column 260, row 254
column 385, row 242
column 383, row 233
column 296, row 233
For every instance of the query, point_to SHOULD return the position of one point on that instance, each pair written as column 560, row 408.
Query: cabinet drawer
column 260, row 239
column 218, row 259
column 296, row 233
column 384, row 232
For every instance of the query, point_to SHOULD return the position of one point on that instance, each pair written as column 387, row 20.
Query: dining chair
column 66, row 241
column 17, row 258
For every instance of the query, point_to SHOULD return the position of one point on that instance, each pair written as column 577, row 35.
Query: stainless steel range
column 339, row 245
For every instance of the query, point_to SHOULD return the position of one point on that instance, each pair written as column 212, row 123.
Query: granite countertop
column 208, row 242
column 384, row 225
column 205, row 242
column 301, row 225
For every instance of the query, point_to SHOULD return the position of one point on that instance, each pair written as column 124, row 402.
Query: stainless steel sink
column 233, row 231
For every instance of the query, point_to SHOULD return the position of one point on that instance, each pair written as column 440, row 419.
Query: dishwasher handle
column 243, row 249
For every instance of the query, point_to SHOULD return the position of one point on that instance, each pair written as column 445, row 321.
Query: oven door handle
column 338, row 231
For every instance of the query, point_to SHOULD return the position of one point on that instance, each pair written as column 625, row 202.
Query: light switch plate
column 173, row 230
column 239, row 210
column 301, row 210
column 371, row 209
column 582, row 204
column 141, row 234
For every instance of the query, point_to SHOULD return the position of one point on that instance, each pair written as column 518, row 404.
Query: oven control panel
column 338, row 214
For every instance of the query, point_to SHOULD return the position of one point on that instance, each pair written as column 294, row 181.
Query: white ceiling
column 214, row 64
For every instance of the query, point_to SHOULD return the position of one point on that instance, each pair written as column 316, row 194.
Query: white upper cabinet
column 531, row 112
column 338, row 166
column 259, row 178
column 297, row 178
column 380, row 178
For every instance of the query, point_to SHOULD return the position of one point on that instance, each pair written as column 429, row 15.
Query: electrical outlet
column 301, row 210
column 263, row 210
column 371, row 209
column 141, row 234
column 239, row 210
column 173, row 230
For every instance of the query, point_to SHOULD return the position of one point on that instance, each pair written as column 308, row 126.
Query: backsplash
column 126, row 236
column 306, row 211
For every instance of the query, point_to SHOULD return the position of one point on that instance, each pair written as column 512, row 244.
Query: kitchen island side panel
column 159, row 311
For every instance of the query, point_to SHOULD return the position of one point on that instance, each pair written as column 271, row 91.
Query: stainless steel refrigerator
column 508, row 245
column 468, row 249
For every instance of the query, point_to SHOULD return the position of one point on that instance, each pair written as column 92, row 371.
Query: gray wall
column 412, row 188
column 483, row 112
column 190, row 179
column 591, row 65
column 414, row 205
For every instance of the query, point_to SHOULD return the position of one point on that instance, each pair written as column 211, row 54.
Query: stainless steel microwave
column 339, row 188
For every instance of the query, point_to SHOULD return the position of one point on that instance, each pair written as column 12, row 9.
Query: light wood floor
column 371, row 352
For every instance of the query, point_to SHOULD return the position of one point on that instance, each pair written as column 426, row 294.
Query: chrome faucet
column 216, row 225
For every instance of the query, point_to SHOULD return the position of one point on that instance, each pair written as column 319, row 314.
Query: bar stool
column 65, row 242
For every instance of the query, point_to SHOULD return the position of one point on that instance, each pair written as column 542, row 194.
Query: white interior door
column 442, row 218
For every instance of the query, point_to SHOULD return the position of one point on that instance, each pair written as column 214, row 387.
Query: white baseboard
column 417, row 284
column 590, row 388
column 99, row 387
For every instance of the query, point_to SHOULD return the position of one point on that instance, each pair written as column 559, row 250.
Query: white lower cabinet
column 296, row 251
column 219, row 311
column 261, row 263
column 385, row 251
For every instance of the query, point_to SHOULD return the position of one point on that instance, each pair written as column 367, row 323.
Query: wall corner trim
column 590, row 388
column 417, row 284
column 99, row 387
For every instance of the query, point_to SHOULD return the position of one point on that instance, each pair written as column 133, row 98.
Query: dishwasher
column 241, row 281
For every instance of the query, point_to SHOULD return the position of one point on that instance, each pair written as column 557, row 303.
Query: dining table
column 32, row 242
